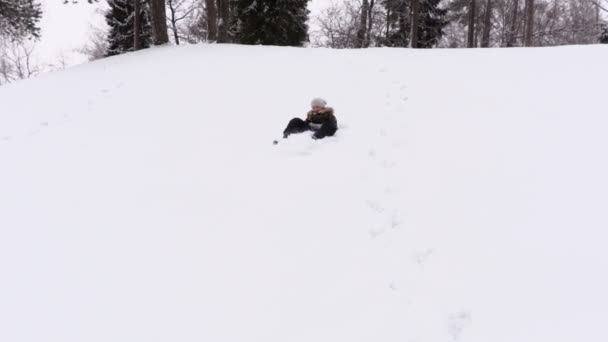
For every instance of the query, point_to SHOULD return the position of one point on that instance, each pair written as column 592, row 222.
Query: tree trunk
column 598, row 23
column 414, row 25
column 159, row 21
column 173, row 22
column 513, row 25
column 388, row 25
column 370, row 23
column 136, row 40
column 529, row 32
column 471, row 28
column 362, row 25
column 487, row 25
column 211, row 20
column 224, row 22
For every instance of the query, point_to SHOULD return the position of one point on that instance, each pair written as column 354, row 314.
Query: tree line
column 138, row 24
column 460, row 23
column 379, row 23
column 369, row 23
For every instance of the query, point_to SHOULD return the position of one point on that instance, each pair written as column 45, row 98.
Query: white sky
column 65, row 28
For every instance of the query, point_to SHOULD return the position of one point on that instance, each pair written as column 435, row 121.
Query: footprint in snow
column 395, row 221
column 388, row 164
column 393, row 286
column 392, row 221
column 375, row 232
column 375, row 206
column 391, row 190
column 420, row 257
column 457, row 322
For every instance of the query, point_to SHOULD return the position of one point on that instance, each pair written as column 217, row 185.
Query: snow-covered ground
column 464, row 197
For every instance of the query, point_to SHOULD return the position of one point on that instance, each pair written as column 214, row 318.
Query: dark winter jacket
column 323, row 116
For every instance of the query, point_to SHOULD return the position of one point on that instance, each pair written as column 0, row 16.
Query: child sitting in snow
column 320, row 119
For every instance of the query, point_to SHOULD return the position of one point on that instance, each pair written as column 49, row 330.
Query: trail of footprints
column 389, row 215
column 58, row 121
column 386, row 209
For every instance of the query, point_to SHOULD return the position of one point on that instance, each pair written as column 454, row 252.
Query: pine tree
column 120, row 19
column 272, row 22
column 397, row 23
column 431, row 21
column 223, row 26
column 18, row 18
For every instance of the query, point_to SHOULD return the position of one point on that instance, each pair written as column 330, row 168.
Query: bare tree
column 194, row 28
column 599, row 5
column 16, row 60
column 179, row 10
column 505, row 22
column 338, row 26
column 97, row 46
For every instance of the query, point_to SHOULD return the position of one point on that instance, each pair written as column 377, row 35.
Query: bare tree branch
column 596, row 3
column 16, row 61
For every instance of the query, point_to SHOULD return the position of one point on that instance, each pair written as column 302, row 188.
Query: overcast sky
column 66, row 27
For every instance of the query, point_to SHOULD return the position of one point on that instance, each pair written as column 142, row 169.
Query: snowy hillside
column 463, row 198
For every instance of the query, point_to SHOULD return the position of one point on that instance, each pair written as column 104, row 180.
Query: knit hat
column 318, row 102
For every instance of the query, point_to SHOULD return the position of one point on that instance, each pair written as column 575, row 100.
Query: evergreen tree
column 431, row 21
column 120, row 19
column 397, row 23
column 604, row 34
column 18, row 18
column 272, row 22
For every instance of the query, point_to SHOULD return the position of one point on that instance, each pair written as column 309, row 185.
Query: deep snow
column 463, row 198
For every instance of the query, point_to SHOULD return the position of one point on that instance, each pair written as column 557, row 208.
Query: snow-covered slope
column 463, row 198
